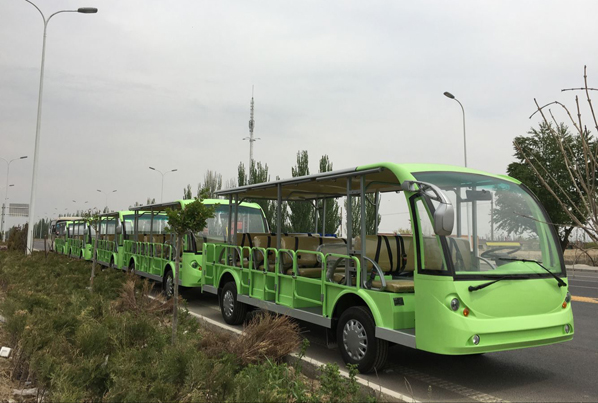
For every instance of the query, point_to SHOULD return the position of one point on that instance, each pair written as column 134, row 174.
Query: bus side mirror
column 444, row 215
column 444, row 219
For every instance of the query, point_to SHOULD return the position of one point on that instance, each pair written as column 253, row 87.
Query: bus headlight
column 194, row 264
column 567, row 328
column 568, row 297
column 454, row 304
column 476, row 339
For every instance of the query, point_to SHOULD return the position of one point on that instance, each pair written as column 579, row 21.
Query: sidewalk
column 581, row 267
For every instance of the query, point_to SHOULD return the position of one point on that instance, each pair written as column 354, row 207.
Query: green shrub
column 115, row 345
column 17, row 238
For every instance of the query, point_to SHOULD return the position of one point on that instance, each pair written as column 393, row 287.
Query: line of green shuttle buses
column 454, row 284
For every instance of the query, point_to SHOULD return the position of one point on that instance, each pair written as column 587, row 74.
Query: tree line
column 296, row 216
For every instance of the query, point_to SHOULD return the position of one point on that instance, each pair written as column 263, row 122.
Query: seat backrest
column 432, row 255
column 307, row 243
column 263, row 241
column 389, row 251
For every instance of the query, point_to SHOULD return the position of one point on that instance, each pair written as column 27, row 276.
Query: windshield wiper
column 557, row 278
column 479, row 287
column 511, row 277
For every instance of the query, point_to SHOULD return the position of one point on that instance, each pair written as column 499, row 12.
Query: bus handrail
column 367, row 282
column 330, row 270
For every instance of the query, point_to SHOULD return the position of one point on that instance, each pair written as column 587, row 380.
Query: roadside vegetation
column 115, row 344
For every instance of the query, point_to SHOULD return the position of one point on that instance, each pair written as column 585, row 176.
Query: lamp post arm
column 40, row 11
column 464, row 136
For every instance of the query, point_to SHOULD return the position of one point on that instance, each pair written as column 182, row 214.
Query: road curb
column 310, row 366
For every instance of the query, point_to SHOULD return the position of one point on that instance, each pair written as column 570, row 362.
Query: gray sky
column 168, row 84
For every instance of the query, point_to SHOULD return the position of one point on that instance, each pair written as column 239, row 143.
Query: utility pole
column 251, row 138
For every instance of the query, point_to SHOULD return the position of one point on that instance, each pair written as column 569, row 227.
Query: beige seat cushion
column 396, row 285
column 391, row 285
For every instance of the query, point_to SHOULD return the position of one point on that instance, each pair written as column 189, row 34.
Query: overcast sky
column 168, row 84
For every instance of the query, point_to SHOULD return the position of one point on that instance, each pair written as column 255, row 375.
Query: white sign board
column 18, row 210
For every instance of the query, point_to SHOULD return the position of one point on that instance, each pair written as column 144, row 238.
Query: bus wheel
column 81, row 255
column 168, row 284
column 132, row 266
column 233, row 311
column 112, row 262
column 357, row 342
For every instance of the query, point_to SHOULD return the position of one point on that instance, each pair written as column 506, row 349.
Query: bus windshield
column 497, row 224
column 249, row 220
column 145, row 224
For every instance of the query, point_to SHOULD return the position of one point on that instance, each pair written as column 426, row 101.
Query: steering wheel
column 491, row 253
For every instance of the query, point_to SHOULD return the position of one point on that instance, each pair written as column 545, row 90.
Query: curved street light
column 470, row 237
column 162, row 173
column 106, row 194
column 451, row 96
column 83, row 10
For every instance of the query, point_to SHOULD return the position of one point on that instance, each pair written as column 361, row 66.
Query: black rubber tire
column 168, row 284
column 233, row 311
column 360, row 326
column 132, row 267
column 111, row 262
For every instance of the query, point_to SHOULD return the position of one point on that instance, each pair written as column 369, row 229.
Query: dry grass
column 135, row 298
column 578, row 256
column 6, row 383
column 267, row 336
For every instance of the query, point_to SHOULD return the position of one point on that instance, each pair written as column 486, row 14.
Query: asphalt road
column 556, row 373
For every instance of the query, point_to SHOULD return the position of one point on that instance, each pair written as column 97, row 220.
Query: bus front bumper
column 474, row 336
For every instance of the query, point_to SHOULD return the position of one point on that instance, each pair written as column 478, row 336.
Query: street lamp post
column 84, row 10
column 106, row 194
column 472, row 236
column 451, row 96
column 162, row 173
column 75, row 201
column 6, row 193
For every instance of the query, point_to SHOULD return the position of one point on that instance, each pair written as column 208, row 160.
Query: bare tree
column 582, row 172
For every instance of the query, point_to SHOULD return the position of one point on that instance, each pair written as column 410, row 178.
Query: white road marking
column 581, row 286
column 451, row 387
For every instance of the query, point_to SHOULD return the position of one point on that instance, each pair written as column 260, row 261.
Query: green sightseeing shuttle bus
column 453, row 285
column 59, row 241
column 80, row 239
column 149, row 249
column 114, row 229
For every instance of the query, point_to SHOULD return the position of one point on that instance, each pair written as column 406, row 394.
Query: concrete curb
column 581, row 267
column 311, row 366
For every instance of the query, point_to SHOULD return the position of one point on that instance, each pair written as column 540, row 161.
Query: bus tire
column 357, row 342
column 233, row 311
column 168, row 284
column 132, row 266
column 112, row 262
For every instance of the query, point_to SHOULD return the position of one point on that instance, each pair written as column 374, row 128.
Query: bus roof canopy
column 381, row 177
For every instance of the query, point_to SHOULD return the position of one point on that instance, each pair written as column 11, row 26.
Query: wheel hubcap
column 169, row 286
column 228, row 303
column 355, row 339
